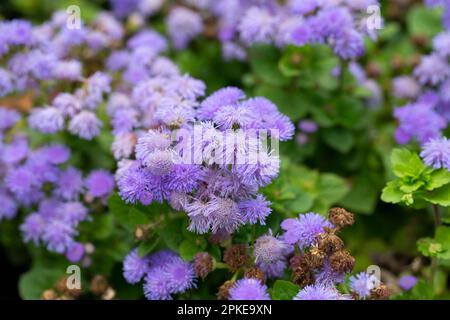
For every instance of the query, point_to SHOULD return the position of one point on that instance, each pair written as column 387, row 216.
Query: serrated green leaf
column 438, row 178
column 440, row 196
column 406, row 164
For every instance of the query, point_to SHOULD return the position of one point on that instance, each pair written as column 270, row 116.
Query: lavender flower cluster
column 164, row 273
column 428, row 115
column 41, row 178
column 173, row 146
column 342, row 24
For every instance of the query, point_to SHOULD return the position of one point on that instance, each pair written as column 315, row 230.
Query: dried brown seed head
column 340, row 217
column 236, row 256
column 203, row 264
column 329, row 243
column 381, row 292
column 256, row 273
column 342, row 262
column 99, row 285
column 224, row 290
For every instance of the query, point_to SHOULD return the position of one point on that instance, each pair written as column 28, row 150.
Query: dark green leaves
column 284, row 290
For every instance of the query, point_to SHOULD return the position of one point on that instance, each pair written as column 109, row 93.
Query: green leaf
column 340, row 139
column 440, row 196
column 190, row 247
column 406, row 163
column 438, row 178
column 424, row 21
column 294, row 104
column 332, row 188
column 392, row 193
column 284, row 290
column 33, row 283
column 147, row 246
column 127, row 215
column 363, row 195
column 264, row 62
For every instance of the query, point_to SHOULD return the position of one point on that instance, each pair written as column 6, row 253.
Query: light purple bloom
column 436, row 153
column 318, row 292
column 86, row 125
column 46, row 120
column 100, row 183
column 135, row 267
column 249, row 289
column 304, row 230
column 407, row 282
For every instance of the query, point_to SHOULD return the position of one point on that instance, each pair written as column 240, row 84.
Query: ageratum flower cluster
column 40, row 179
column 207, row 157
column 164, row 273
column 426, row 118
column 239, row 24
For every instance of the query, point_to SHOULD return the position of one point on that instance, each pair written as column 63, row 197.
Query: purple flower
column 55, row 154
column 308, row 126
column 441, row 44
column 405, row 87
column 418, row 120
column 72, row 212
column 187, row 87
column 257, row 26
column 100, row 183
column 21, row 182
column 58, row 235
column 181, row 275
column 318, row 292
column 68, row 104
column 8, row 118
column 75, row 252
column 8, row 209
column 150, row 142
column 183, row 25
column 220, row 98
column 19, row 32
column 15, row 152
column 270, row 255
column 6, row 84
column 86, row 125
column 159, row 162
column 46, row 120
column 255, row 209
column 134, row 186
column 407, row 282
column 33, row 228
column 135, row 267
column 432, row 70
column 362, row 284
column 157, row 285
column 248, row 289
column 436, row 153
column 184, row 177
column 223, row 214
column 68, row 70
column 304, row 230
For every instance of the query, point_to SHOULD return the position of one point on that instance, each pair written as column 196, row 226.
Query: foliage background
column 345, row 163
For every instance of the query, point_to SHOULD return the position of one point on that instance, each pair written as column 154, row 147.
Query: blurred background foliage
column 346, row 162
